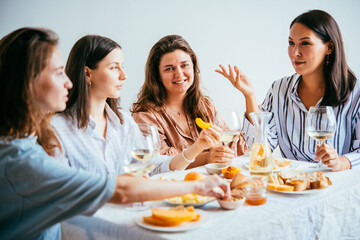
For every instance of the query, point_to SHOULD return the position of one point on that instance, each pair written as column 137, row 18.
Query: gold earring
column 327, row 59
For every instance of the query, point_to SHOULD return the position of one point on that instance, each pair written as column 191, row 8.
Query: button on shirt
column 287, row 126
column 37, row 192
column 87, row 149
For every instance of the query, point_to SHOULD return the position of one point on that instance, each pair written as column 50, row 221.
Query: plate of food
column 177, row 219
column 278, row 164
column 298, row 182
column 190, row 199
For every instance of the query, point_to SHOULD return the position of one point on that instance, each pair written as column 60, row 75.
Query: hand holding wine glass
column 321, row 124
column 141, row 157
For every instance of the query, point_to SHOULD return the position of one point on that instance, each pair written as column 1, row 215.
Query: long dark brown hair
column 153, row 96
column 339, row 79
column 24, row 54
column 87, row 51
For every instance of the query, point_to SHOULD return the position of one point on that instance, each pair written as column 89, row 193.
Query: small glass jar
column 256, row 192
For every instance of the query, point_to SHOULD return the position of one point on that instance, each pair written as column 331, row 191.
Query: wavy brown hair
column 24, row 54
column 339, row 79
column 87, row 51
column 153, row 95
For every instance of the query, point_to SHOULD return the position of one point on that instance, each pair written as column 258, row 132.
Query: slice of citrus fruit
column 202, row 124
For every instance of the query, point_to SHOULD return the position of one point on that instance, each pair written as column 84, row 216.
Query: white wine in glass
column 230, row 123
column 321, row 124
column 140, row 160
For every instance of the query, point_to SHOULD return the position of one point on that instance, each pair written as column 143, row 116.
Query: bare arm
column 208, row 138
column 131, row 189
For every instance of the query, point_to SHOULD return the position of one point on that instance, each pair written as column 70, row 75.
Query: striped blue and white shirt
column 286, row 127
column 87, row 149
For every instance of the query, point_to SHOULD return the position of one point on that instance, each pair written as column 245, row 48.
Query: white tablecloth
column 331, row 214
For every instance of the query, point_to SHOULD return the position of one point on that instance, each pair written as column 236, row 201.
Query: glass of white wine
column 141, row 158
column 230, row 123
column 321, row 124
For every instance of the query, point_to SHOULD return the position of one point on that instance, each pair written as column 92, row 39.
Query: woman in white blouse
column 93, row 130
column 322, row 78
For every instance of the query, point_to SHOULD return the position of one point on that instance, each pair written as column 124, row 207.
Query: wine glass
column 141, row 152
column 230, row 123
column 321, row 124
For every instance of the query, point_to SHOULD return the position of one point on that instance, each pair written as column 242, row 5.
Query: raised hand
column 240, row 81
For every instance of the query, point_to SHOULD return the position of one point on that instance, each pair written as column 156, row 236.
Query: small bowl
column 215, row 168
column 230, row 205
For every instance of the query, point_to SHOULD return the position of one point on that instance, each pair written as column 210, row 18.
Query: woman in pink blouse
column 171, row 99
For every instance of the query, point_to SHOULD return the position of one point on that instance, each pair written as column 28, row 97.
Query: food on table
column 318, row 180
column 280, row 187
column 280, row 164
column 190, row 198
column 171, row 217
column 193, row 176
column 298, row 180
column 230, row 172
column 202, row 124
column 256, row 199
column 238, row 181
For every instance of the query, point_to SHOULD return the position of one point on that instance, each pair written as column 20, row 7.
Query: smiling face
column 52, row 85
column 176, row 72
column 306, row 50
column 108, row 77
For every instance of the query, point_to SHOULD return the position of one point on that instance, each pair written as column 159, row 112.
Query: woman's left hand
column 331, row 158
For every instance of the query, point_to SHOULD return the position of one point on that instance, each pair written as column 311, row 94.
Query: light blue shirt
column 287, row 126
column 37, row 192
column 87, row 149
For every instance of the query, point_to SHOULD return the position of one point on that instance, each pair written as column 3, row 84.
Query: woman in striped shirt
column 322, row 78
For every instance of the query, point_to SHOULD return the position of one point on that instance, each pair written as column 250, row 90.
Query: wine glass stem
column 320, row 164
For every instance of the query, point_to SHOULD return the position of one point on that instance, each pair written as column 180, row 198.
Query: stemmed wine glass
column 141, row 155
column 321, row 124
column 230, row 123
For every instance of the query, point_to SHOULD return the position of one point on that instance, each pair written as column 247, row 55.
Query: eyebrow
column 170, row 65
column 301, row 38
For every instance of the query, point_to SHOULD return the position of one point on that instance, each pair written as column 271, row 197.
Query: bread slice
column 318, row 180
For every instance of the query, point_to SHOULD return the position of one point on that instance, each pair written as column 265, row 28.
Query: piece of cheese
column 280, row 187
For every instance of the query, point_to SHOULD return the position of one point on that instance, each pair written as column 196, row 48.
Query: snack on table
column 230, row 172
column 202, row 124
column 318, row 180
column 193, row 176
column 171, row 217
column 299, row 181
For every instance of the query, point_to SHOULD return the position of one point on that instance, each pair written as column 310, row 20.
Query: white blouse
column 87, row 149
column 287, row 125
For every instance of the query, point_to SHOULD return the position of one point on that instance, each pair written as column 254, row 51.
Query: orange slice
column 202, row 124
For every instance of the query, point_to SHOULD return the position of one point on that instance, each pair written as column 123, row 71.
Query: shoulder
column 152, row 116
column 60, row 121
column 23, row 154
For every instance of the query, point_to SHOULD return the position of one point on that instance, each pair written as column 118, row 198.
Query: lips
column 298, row 63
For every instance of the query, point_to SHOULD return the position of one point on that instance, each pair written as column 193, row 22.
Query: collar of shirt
column 294, row 93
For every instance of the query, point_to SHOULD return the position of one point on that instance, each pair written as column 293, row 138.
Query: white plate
column 293, row 165
column 305, row 192
column 186, row 226
column 210, row 199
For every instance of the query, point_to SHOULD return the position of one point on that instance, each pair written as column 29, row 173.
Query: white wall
column 251, row 34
